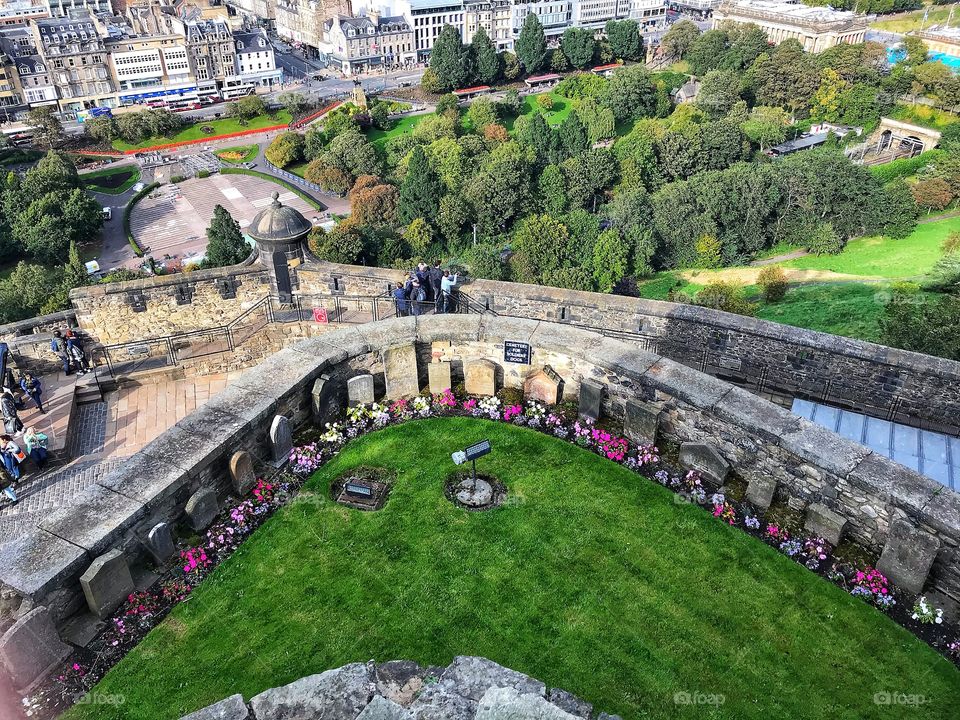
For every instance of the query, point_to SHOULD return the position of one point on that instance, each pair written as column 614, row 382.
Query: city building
column 256, row 63
column 63, row 8
column 649, row 13
column 212, row 53
column 302, row 21
column 261, row 12
column 21, row 11
column 357, row 44
column 494, row 16
column 555, row 16
column 817, row 28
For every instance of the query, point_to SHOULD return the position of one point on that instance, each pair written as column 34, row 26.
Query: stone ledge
column 96, row 520
column 146, row 478
column 689, row 385
column 37, row 563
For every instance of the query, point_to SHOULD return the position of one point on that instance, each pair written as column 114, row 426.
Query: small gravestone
column 591, row 394
column 400, row 372
column 241, row 472
column 107, row 583
column 641, row 421
column 439, row 374
column 543, row 386
column 360, row 390
column 760, row 491
column 480, row 377
column 31, row 647
column 705, row 460
column 325, row 399
column 908, row 555
column 201, row 509
column 160, row 542
column 824, row 522
column 281, row 440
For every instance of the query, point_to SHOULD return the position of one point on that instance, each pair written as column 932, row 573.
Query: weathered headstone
column 281, row 440
column 107, row 583
column 908, row 555
column 201, row 509
column 760, row 491
column 241, row 472
column 544, row 386
column 400, row 372
column 824, row 522
column 591, row 394
column 325, row 399
column 705, row 460
column 360, row 390
column 31, row 646
column 480, row 377
column 439, row 374
column 641, row 421
column 160, row 542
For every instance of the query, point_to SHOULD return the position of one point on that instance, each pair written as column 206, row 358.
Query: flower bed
column 197, row 557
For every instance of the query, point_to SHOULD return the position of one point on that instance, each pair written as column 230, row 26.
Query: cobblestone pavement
column 89, row 425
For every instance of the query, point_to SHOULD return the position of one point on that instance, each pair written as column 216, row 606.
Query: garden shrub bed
column 632, row 591
column 239, row 155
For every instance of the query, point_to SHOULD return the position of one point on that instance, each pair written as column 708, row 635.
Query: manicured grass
column 906, row 22
column 239, row 154
column 404, row 125
column 220, row 127
column 556, row 115
column 910, row 257
column 112, row 180
column 848, row 309
column 589, row 578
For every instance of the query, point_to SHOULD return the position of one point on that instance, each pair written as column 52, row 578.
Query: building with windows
column 21, row 11
column 555, row 16
column 357, row 44
column 212, row 53
column 256, row 63
column 63, row 8
column 260, row 12
column 494, row 16
column 816, row 28
column 303, row 21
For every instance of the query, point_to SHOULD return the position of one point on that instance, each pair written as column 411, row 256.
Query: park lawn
column 589, row 578
column 906, row 22
column 404, row 125
column 223, row 126
column 112, row 180
column 910, row 257
column 244, row 153
column 849, row 309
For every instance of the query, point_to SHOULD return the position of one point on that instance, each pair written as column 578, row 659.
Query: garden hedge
column 126, row 215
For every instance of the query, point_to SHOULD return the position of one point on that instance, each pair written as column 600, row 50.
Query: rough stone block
column 400, row 372
column 641, row 421
column 281, row 439
column 325, row 399
column 908, row 555
column 95, row 520
column 107, row 583
column 160, row 542
column 36, row 563
column 824, row 522
column 201, row 509
column 382, row 709
column 480, row 377
column 544, row 385
column 441, row 703
column 591, row 395
column 440, row 376
column 231, row 708
column 241, row 472
column 360, row 390
column 760, row 491
column 705, row 460
column 570, row 702
column 472, row 676
column 505, row 703
column 335, row 694
column 31, row 646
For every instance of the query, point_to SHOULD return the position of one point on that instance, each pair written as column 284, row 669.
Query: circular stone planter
column 487, row 493
column 363, row 488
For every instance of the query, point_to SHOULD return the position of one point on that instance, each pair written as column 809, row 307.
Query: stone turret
column 280, row 231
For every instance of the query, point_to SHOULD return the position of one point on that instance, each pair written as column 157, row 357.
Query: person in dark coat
column 418, row 299
column 423, row 276
column 8, row 408
column 6, row 484
column 32, row 387
column 400, row 297
column 436, row 275
column 59, row 346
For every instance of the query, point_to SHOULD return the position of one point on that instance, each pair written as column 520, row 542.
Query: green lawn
column 589, row 578
column 906, row 22
column 848, row 309
column 239, row 154
column 112, row 180
column 923, row 115
column 556, row 115
column 220, row 127
column 405, row 124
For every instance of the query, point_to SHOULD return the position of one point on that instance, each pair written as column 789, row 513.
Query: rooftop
column 277, row 223
column 789, row 11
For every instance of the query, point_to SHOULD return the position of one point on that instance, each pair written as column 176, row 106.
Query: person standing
column 400, row 297
column 8, row 409
column 12, row 455
column 6, row 484
column 36, row 445
column 418, row 297
column 436, row 275
column 32, row 387
column 446, row 288
column 79, row 359
column 423, row 276
column 59, row 345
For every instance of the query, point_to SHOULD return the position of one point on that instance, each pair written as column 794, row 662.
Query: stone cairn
column 470, row 688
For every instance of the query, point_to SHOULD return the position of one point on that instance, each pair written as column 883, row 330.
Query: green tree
column 766, row 126
column 25, row 292
column 103, row 129
column 418, row 236
column 599, row 121
column 531, row 45
column 485, row 261
column 452, row 218
column 501, row 188
column 929, row 325
column 450, row 59
column 825, row 241
column 541, row 246
column 719, row 91
column 611, row 256
column 916, row 50
column 225, row 242
column 430, row 82
column 511, row 66
column 587, row 175
column 53, row 173
column 551, row 190
column 487, row 59
column 631, row 214
column 343, row 244
column 293, row 102
column 827, row 101
column 50, row 223
column 558, row 61
column 420, row 191
column 678, row 40
column 785, row 77
column 632, row 93
column 573, row 135
column 246, row 108
column 352, row 153
column 47, row 128
column 285, row 149
column 707, row 52
column 624, row 39
column 482, row 112
column 860, row 106
column 578, row 45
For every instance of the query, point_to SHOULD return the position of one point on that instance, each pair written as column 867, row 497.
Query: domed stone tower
column 279, row 231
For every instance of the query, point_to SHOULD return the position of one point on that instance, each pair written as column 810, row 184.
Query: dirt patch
column 748, row 276
column 484, row 493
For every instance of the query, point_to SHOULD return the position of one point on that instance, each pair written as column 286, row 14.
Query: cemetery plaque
column 516, row 352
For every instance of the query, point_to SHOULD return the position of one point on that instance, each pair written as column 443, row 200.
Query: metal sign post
column 471, row 453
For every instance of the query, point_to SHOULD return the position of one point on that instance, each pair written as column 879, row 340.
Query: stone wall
column 470, row 688
column 29, row 341
column 762, row 441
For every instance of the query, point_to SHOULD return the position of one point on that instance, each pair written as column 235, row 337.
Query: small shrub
column 951, row 243
column 773, row 283
column 178, row 178
column 825, row 241
column 708, row 249
column 207, row 129
column 203, row 174
column 726, row 296
column 545, row 102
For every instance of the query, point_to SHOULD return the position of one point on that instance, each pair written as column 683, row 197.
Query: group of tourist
column 425, row 288
column 68, row 346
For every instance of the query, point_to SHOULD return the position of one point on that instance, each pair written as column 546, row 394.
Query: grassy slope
column 221, row 127
column 90, row 179
column 905, row 22
column 591, row 579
